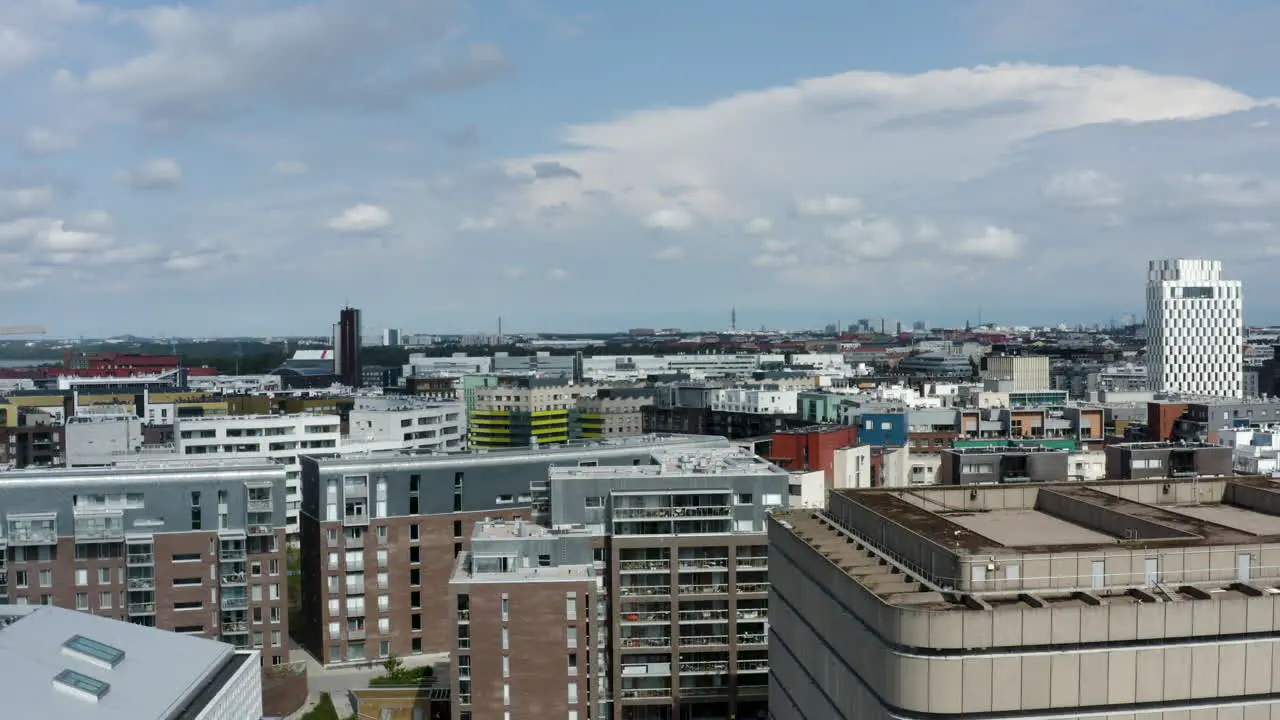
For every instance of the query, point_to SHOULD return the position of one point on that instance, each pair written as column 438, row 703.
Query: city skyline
column 1012, row 158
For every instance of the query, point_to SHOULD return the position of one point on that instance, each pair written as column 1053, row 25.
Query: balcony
column 693, row 564
column 753, row 562
column 643, row 693
column 644, row 591
column 260, row 530
column 356, row 634
column 233, row 579
column 703, row 691
column 355, row 588
column 356, row 541
column 142, row 583
column 645, row 642
column 704, row 615
column 261, row 505
column 356, row 565
column 704, row 640
column 227, row 554
column 142, row 608
column 691, row 512
column 704, row 668
column 753, row 639
column 234, row 603
column 235, row 628
column 753, row 666
column 715, row 589
column 356, row 519
column 753, row 614
column 99, row 526
column 633, row 566
column 645, row 617
column 752, row 588
column 140, row 559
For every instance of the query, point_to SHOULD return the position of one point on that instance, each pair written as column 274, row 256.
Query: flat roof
column 61, row 663
column 733, row 461
column 1026, row 528
column 462, row 573
column 1250, row 521
column 144, row 471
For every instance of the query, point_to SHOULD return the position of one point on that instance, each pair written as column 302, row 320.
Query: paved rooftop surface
column 1026, row 528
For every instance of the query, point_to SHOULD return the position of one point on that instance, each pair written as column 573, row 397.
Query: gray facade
column 1109, row 600
column 1150, row 460
column 102, row 440
column 984, row 465
column 562, row 366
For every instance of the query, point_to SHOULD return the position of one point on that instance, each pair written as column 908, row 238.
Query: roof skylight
column 82, row 685
column 94, row 651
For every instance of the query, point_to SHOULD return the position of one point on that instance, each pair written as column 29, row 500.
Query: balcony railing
column 261, row 506
column 355, row 542
column 646, row 642
column 705, row 640
column 667, row 513
column 355, row 519
column 644, row 566
column 233, row 579
column 753, row 588
column 704, row 668
column 703, row 691
column 142, row 583
column 235, row 628
column 753, row 562
column 231, row 554
column 355, row 634
column 140, row 559
column 356, row 566
column 643, row 693
column 753, row 666
column 715, row 589
column 142, row 608
column 234, row 603
column 704, row 615
column 753, row 614
column 645, row 617
column 355, row 588
column 703, row 563
column 753, row 639
column 464, row 616
column 644, row 590
column 261, row 530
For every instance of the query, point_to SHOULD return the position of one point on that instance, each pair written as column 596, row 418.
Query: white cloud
column 869, row 238
column 1083, row 189
column 670, row 219
column 290, row 167
column 758, row 226
column 670, row 254
column 204, row 63
column 991, row 243
column 153, row 174
column 44, row 141
column 1231, row 190
column 30, row 29
column 363, row 218
column 777, row 246
column 771, row 260
column 21, row 201
column 1226, row 228
column 478, row 225
column 557, row 274
column 828, row 206
column 513, row 272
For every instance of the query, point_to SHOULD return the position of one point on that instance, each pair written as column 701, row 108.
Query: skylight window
column 81, row 685
column 94, row 651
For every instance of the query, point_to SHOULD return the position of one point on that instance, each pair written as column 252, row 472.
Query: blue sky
column 247, row 166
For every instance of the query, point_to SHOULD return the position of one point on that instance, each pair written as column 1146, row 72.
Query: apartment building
column 1004, row 464
column 64, row 664
column 614, row 412
column 393, row 423
column 1152, row 460
column 531, row 623
column 683, row 547
column 278, row 438
column 522, row 411
column 1135, row 599
column 193, row 547
column 380, row 534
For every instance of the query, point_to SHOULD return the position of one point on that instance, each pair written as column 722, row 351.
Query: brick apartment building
column 530, row 621
column 380, row 535
column 194, row 547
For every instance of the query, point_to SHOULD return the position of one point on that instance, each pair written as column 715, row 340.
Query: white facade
column 1087, row 465
column 281, row 438
column 1195, row 329
column 394, row 423
column 457, row 365
column 631, row 367
column 390, row 337
column 809, row 489
column 235, row 384
column 851, row 467
column 1253, row 451
column 240, row 698
column 760, row 402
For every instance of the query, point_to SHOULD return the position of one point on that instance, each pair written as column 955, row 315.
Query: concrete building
column 278, row 438
column 391, row 337
column 1151, row 460
column 1140, row 599
column 613, row 412
column 531, row 622
column 98, row 440
column 522, row 411
column 1195, row 329
column 346, row 348
column 683, row 547
column 380, row 535
column 405, row 423
column 64, row 664
column 191, row 547
column 613, row 368
column 758, row 401
column 1028, row 373
column 1003, row 464
column 542, row 363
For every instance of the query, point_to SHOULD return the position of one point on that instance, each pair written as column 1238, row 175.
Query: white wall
column 812, row 488
column 241, row 697
column 1088, row 465
column 851, row 467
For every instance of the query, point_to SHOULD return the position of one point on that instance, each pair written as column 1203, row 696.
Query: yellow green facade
column 504, row 428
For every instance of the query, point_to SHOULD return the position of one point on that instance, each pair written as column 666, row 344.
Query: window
column 506, row 606
column 274, row 567
column 82, row 601
column 413, row 531
column 573, row 664
column 274, row 593
column 275, row 638
column 457, row 528
column 506, row 693
column 573, row 693
column 571, row 637
column 20, row 579
column 415, row 554
column 505, row 499
column 506, row 638
column 82, row 577
column 384, row 626
column 104, row 600
column 544, row 561
column 275, row 616
column 771, row 499
column 594, row 501
column 193, row 605
column 104, row 576
column 186, row 557
column 744, row 498
column 571, row 606
column 506, row 666
column 332, row 535
column 46, row 578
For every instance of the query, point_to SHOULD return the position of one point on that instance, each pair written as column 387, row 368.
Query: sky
column 247, row 167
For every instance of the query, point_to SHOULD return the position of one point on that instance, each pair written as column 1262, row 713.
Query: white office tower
column 1195, row 329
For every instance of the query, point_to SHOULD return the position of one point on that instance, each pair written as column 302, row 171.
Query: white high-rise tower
column 1195, row 329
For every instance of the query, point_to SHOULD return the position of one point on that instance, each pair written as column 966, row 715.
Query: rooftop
column 727, row 461
column 65, row 664
column 143, row 471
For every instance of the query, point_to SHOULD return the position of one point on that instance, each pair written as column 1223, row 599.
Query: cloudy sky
column 249, row 166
